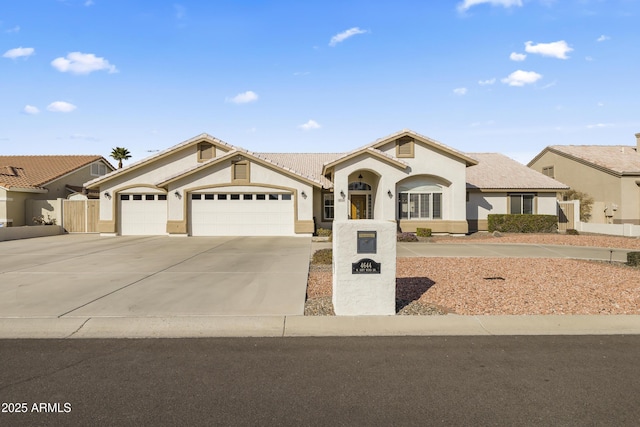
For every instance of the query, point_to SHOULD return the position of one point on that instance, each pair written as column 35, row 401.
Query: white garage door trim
column 143, row 214
column 242, row 214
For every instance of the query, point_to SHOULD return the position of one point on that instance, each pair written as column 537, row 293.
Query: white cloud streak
column 339, row 38
column 517, row 56
column 486, row 82
column 82, row 63
column 557, row 49
column 15, row 29
column 460, row 91
column 244, row 98
column 61, row 107
column 467, row 4
column 31, row 110
column 310, row 125
column 19, row 52
column 521, row 78
column 603, row 38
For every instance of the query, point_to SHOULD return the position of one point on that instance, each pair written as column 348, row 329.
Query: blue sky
column 509, row 76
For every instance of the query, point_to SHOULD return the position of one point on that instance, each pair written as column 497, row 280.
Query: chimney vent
column 638, row 142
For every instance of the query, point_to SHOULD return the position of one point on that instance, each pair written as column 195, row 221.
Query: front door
column 358, row 206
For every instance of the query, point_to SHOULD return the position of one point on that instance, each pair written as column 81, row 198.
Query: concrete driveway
column 83, row 275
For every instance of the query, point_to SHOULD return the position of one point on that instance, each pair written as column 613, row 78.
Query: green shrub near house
column 323, row 232
column 513, row 223
column 423, row 232
column 407, row 237
column 322, row 256
column 633, row 259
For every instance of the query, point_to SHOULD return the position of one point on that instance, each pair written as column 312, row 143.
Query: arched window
column 420, row 199
column 359, row 186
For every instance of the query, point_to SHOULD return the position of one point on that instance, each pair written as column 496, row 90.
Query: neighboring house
column 206, row 187
column 608, row 173
column 25, row 178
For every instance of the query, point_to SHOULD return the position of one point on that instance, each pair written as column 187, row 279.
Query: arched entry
column 362, row 194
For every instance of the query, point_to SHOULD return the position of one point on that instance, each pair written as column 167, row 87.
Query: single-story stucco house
column 46, row 177
column 206, row 187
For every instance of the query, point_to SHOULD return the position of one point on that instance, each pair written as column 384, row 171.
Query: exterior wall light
column 304, row 195
column 389, row 193
column 177, row 194
column 107, row 195
column 342, row 194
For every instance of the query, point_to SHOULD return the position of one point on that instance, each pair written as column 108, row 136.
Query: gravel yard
column 494, row 286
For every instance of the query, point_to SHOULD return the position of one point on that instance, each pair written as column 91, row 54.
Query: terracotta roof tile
column 36, row 171
column 497, row 171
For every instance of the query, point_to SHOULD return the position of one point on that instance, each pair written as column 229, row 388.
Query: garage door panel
column 143, row 217
column 255, row 217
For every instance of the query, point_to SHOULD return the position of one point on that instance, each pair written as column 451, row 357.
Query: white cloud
column 345, row 35
column 599, row 126
column 466, row 4
column 61, row 107
column 19, row 52
column 181, row 11
column 557, row 49
column 588, row 58
column 460, row 91
column 517, row 56
column 82, row 63
column 30, row 109
column 486, row 82
column 13, row 30
column 600, row 104
column 603, row 38
column 89, row 3
column 310, row 125
column 521, row 78
column 244, row 97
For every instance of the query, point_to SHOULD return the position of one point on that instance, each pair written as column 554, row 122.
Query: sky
column 507, row 76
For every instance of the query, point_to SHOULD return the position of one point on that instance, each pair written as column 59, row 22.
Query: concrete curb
column 301, row 326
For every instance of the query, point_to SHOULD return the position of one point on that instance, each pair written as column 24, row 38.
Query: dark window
column 286, row 197
column 235, row 197
column 273, row 197
column 162, row 197
column 137, row 197
column 124, row 197
column 208, row 196
column 247, row 197
column 149, row 197
column 196, row 196
column 222, row 197
column 261, row 197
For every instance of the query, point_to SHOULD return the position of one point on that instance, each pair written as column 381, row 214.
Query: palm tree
column 120, row 154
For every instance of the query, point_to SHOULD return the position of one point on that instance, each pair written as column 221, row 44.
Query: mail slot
column 367, row 242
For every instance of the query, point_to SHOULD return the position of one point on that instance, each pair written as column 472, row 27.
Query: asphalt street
column 516, row 380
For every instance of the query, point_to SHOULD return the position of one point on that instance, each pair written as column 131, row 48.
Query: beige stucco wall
column 16, row 207
column 4, row 216
column 630, row 204
column 605, row 188
column 426, row 161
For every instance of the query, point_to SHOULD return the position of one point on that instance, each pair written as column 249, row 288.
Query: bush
column 407, row 237
column 323, row 232
column 511, row 223
column 633, row 259
column 586, row 203
column 39, row 220
column 322, row 256
column 572, row 232
column 423, row 232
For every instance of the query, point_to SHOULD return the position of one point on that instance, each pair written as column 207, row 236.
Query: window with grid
column 414, row 205
column 328, row 206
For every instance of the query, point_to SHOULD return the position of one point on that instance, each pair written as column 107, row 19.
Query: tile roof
column 497, row 171
column 34, row 172
column 622, row 159
column 305, row 164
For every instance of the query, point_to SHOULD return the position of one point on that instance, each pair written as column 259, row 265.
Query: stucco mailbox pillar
column 364, row 267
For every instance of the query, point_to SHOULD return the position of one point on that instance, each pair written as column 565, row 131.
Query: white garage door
column 255, row 214
column 143, row 214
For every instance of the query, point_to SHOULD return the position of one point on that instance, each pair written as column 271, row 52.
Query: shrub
column 323, row 232
column 322, row 256
column 39, row 220
column 423, row 232
column 407, row 237
column 513, row 223
column 633, row 259
column 586, row 203
column 572, row 232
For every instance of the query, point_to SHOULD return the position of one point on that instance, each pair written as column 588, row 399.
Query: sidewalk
column 301, row 326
